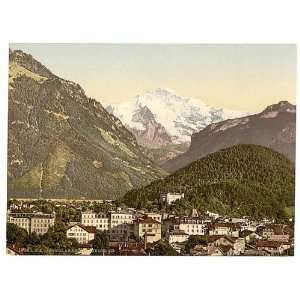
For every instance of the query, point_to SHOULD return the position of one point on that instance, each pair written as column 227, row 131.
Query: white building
column 171, row 197
column 40, row 223
column 83, row 234
column 119, row 224
column 190, row 226
column 212, row 215
column 155, row 216
column 148, row 229
column 224, row 229
column 33, row 222
column 178, row 236
column 22, row 220
column 275, row 233
column 100, row 221
column 116, row 222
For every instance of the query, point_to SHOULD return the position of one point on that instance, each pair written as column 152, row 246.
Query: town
column 95, row 227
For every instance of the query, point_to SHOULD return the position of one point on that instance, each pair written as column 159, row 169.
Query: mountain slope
column 242, row 180
column 62, row 143
column 149, row 134
column 176, row 117
column 275, row 127
column 165, row 153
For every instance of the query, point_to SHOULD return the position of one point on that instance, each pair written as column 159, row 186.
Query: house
column 222, row 250
column 177, row 236
column 212, row 215
column 40, row 223
column 275, row 232
column 239, row 220
column 127, row 248
column 251, row 226
column 33, row 222
column 148, row 229
column 178, row 247
column 224, row 229
column 237, row 244
column 171, row 197
column 199, row 250
column 85, row 249
column 116, row 222
column 120, row 224
column 101, row 221
column 189, row 225
column 273, row 247
column 249, row 236
column 155, row 216
column 83, row 234
column 23, row 220
column 251, row 250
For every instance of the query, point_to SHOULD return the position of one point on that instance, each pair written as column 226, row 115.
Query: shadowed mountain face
column 148, row 132
column 63, row 144
column 153, row 133
column 275, row 128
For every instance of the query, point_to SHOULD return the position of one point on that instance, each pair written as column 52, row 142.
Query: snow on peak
column 180, row 116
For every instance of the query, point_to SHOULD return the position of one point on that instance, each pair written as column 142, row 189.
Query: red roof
column 268, row 244
column 177, row 232
column 89, row 229
column 147, row 220
column 232, row 226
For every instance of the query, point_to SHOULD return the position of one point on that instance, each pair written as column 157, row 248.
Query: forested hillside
column 242, row 180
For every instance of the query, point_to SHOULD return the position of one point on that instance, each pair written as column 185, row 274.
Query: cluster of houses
column 232, row 236
column 122, row 225
column 132, row 232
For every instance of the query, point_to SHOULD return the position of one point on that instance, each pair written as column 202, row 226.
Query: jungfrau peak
column 165, row 117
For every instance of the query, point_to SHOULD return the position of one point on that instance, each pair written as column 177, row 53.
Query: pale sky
column 240, row 77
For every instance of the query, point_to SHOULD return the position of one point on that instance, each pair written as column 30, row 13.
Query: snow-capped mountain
column 164, row 113
column 274, row 127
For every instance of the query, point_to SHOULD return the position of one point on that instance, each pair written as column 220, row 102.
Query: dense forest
column 240, row 180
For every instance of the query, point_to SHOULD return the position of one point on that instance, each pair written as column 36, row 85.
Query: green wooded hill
column 240, row 180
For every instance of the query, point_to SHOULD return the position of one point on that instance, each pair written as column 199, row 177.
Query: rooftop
column 146, row 220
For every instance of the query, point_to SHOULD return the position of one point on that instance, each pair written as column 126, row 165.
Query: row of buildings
column 121, row 225
column 221, row 235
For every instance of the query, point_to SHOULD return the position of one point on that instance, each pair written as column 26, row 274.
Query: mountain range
column 63, row 144
column 274, row 127
column 159, row 118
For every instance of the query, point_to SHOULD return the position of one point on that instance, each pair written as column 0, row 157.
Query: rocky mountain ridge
column 64, row 144
column 274, row 127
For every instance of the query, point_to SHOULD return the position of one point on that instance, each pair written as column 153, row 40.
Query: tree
column 101, row 240
column 58, row 242
column 163, row 249
column 33, row 239
column 15, row 234
column 195, row 240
